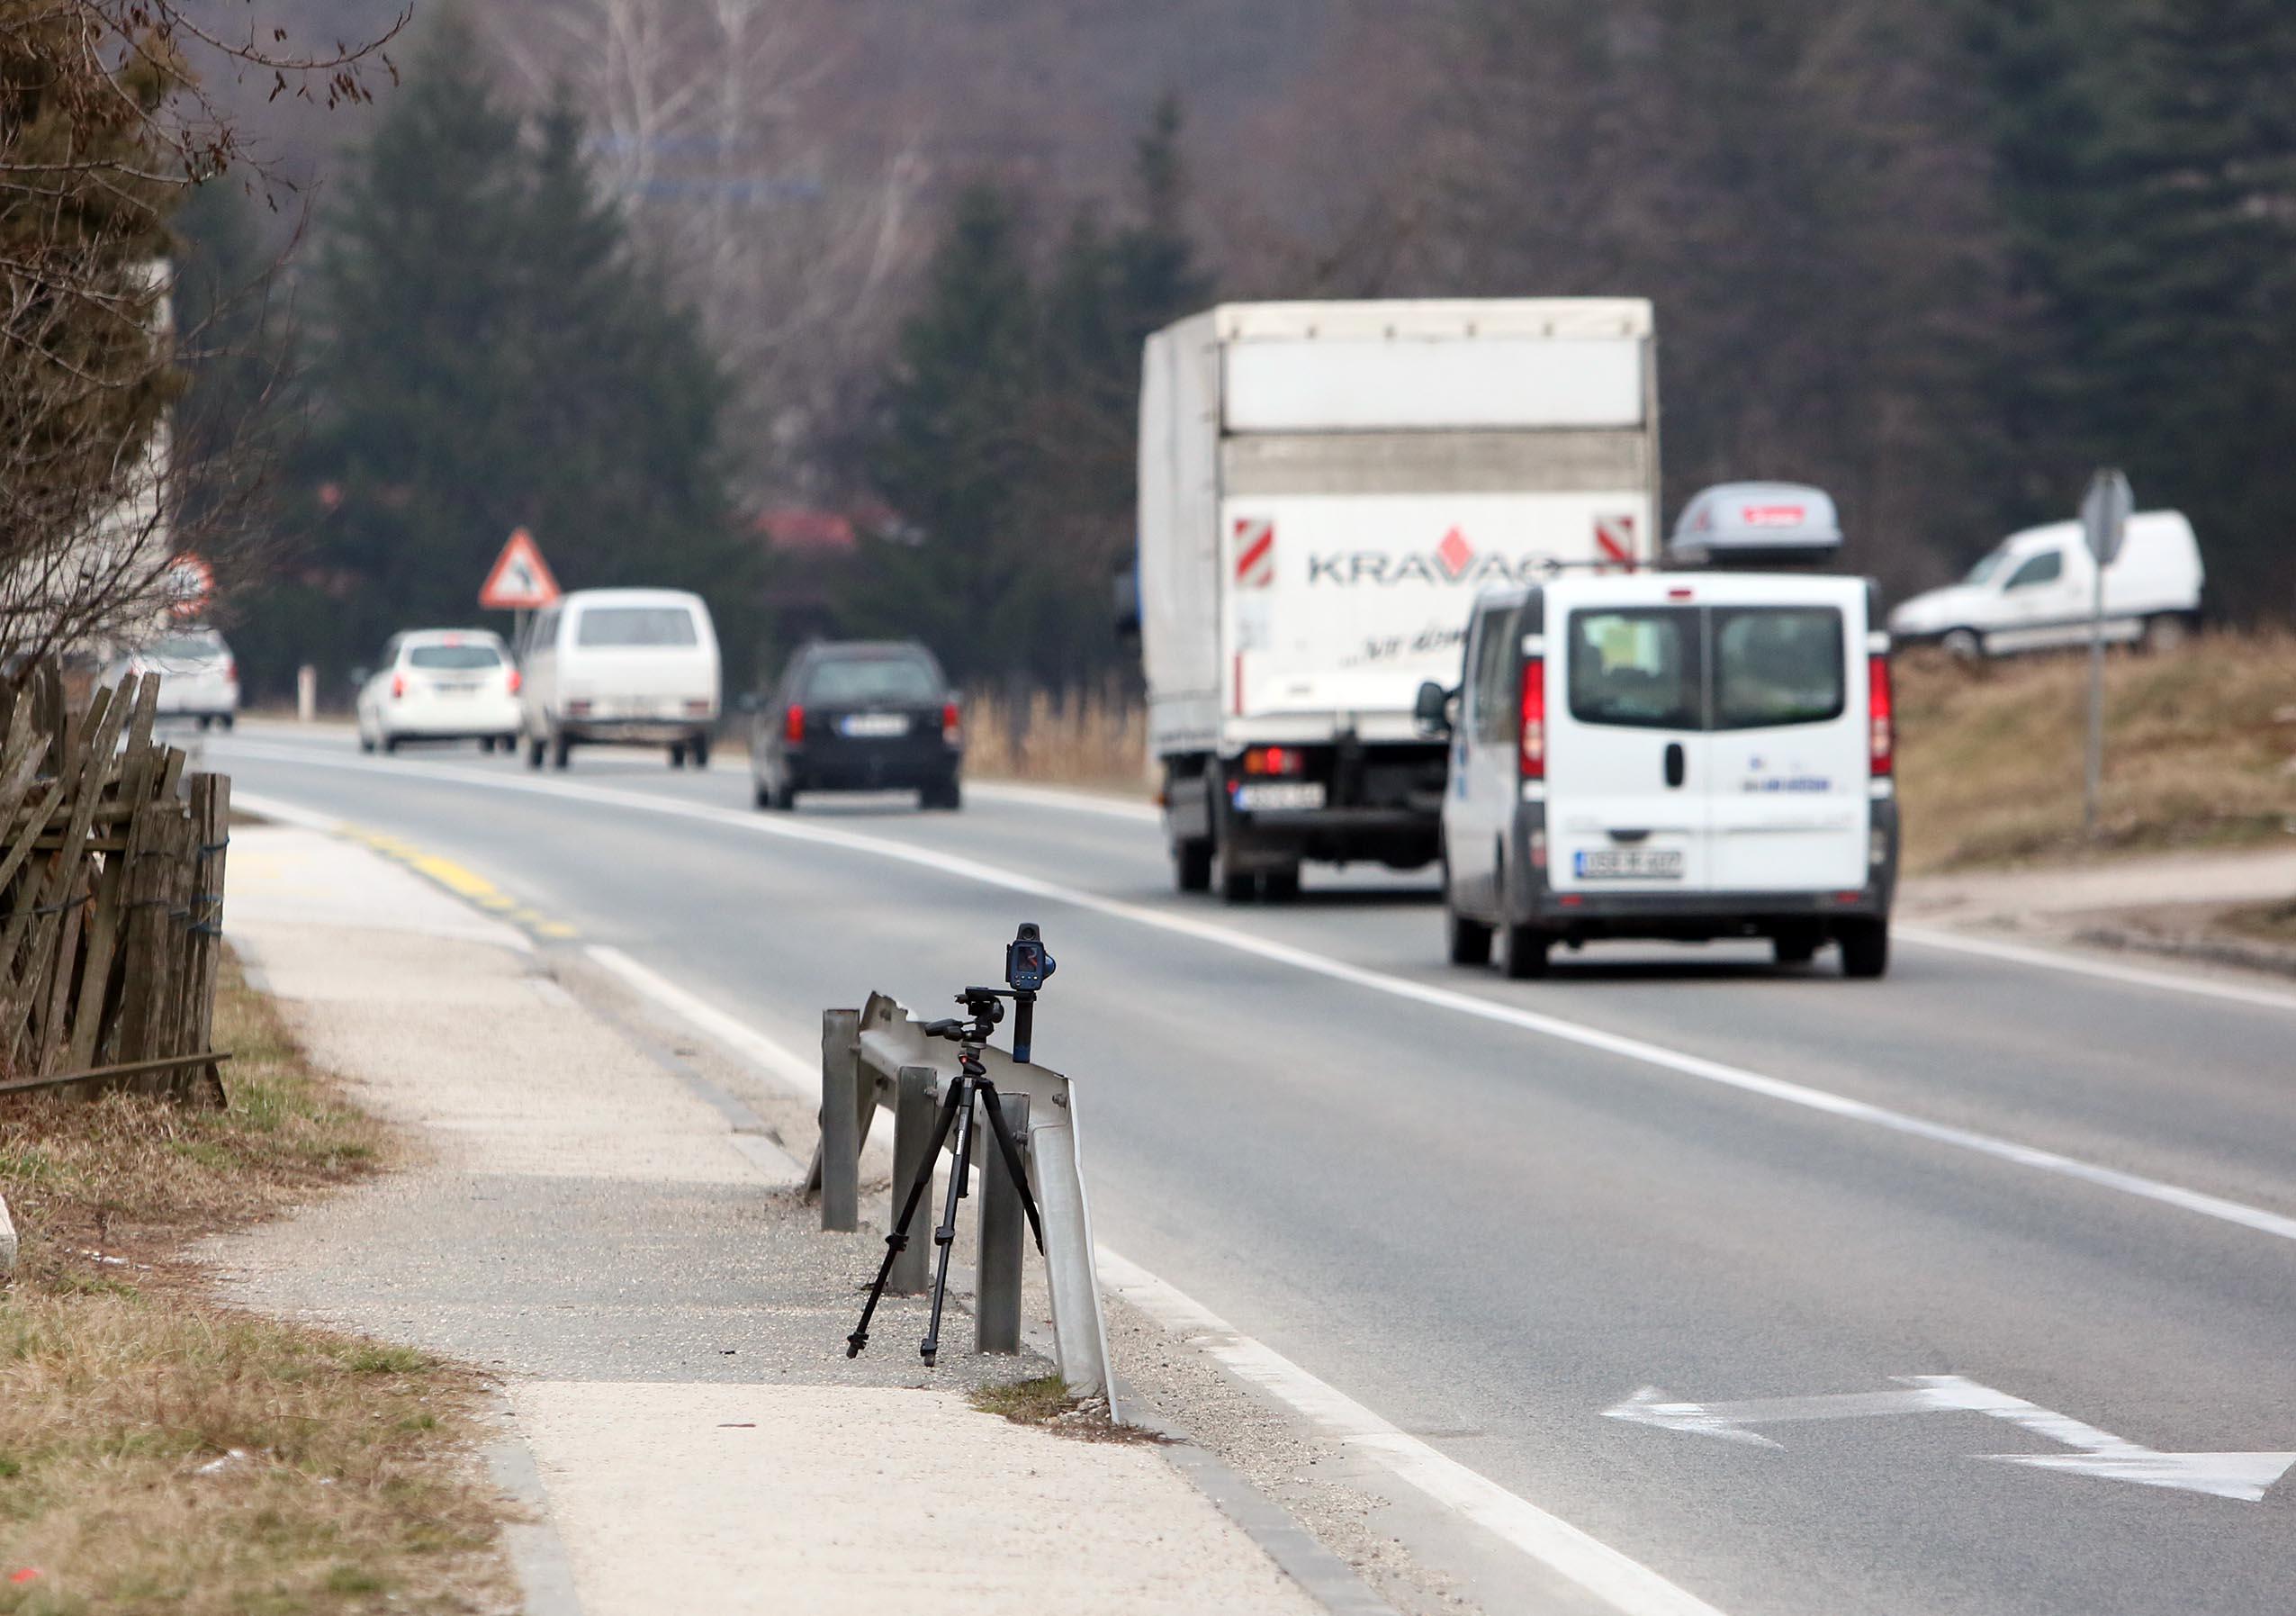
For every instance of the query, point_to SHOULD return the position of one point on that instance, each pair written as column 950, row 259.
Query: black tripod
column 971, row 1035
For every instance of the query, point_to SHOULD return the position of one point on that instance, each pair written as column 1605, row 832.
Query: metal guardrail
column 878, row 1057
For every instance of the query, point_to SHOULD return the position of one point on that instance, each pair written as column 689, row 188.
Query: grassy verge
column 161, row 1453
column 1093, row 739
column 1044, row 1402
column 2199, row 746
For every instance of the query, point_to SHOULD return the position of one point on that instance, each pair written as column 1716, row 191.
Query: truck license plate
column 874, row 726
column 1629, row 864
column 1269, row 797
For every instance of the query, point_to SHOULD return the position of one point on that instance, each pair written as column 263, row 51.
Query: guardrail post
column 914, row 1112
column 840, row 1131
column 997, row 1291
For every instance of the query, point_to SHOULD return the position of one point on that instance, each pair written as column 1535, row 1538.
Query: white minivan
column 2037, row 590
column 633, row 667
column 1679, row 755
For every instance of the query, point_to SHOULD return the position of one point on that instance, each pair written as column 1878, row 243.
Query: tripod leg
column 945, row 1236
column 1013, row 1164
column 899, row 1238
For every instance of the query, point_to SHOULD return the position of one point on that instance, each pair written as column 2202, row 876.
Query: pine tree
column 495, row 356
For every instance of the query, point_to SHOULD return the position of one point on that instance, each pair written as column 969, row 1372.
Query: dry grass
column 1086, row 738
column 2200, row 746
column 1044, row 1402
column 353, row 1486
column 2268, row 922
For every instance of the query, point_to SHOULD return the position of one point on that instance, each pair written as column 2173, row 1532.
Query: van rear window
column 635, row 626
column 1777, row 664
column 1637, row 668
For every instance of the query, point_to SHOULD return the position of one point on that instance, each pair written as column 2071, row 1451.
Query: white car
column 2037, row 590
column 629, row 667
column 441, row 684
column 198, row 676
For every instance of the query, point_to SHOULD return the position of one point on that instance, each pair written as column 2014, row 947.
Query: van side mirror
column 1432, row 711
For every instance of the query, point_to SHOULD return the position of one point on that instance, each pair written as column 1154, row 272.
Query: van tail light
column 1880, row 718
column 518, row 681
column 793, row 723
column 398, row 686
column 953, row 728
column 1534, row 752
column 231, row 670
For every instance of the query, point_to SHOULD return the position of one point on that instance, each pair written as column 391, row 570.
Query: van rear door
column 1790, row 799
column 1626, row 772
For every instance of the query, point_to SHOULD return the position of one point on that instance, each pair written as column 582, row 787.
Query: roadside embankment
column 162, row 1451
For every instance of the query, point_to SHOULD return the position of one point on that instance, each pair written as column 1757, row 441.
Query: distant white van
column 631, row 667
column 2035, row 590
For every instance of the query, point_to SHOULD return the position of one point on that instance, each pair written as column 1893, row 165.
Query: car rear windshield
column 1637, row 668
column 864, row 681
column 635, row 626
column 453, row 658
column 1648, row 668
column 1777, row 664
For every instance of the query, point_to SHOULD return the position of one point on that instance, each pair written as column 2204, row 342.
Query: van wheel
column 2164, row 634
column 677, row 756
column 1526, row 947
column 1233, row 885
column 366, row 742
column 206, row 720
column 1794, row 948
column 698, row 747
column 1963, row 645
column 1467, row 941
column 534, row 750
column 1865, row 948
column 390, row 744
column 1192, row 865
column 560, row 749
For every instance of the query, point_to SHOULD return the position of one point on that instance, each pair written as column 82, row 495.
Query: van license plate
column 1275, row 797
column 874, row 726
column 1629, row 864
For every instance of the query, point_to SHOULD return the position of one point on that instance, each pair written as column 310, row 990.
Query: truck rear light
column 1275, row 760
column 1881, row 728
column 953, row 728
column 793, row 724
column 398, row 686
column 1534, row 749
column 518, row 681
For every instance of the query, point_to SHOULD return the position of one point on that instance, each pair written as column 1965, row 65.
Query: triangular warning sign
column 519, row 581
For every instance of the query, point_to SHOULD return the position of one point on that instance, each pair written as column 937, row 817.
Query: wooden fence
column 112, row 863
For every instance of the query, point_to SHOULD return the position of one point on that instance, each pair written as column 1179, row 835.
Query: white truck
column 1324, row 488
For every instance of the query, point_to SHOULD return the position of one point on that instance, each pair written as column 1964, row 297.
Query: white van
column 633, row 667
column 1672, row 754
column 2035, row 588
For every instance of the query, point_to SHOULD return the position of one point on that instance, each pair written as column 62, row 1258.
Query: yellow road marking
column 463, row 882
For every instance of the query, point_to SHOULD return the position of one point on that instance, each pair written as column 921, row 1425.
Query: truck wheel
column 561, row 750
column 1281, row 886
column 1526, row 947
column 1962, row 645
column 700, row 749
column 534, row 750
column 1191, row 866
column 677, row 755
column 1467, row 941
column 2164, row 634
column 1865, row 948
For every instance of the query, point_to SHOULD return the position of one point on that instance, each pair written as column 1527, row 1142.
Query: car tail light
column 1533, row 750
column 518, row 681
column 793, row 723
column 1882, row 737
column 952, row 727
column 398, row 686
column 1274, row 760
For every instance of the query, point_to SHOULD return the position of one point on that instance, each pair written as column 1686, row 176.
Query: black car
column 873, row 716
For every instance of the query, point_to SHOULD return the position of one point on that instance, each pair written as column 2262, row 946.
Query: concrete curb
column 538, row 1554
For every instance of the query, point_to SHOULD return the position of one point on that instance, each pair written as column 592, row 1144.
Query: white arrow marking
column 2247, row 1476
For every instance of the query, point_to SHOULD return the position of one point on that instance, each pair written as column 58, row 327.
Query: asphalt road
column 1682, row 1168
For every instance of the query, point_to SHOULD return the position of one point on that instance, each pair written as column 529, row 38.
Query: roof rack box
column 1756, row 523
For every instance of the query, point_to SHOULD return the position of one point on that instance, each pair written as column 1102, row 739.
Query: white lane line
column 1625, row 1584
column 2134, row 976
column 1440, row 998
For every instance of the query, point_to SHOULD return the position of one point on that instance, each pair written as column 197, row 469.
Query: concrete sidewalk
column 612, row 1226
column 2257, row 875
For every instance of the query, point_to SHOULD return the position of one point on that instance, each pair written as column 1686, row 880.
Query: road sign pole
column 2105, row 509
column 2095, row 782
